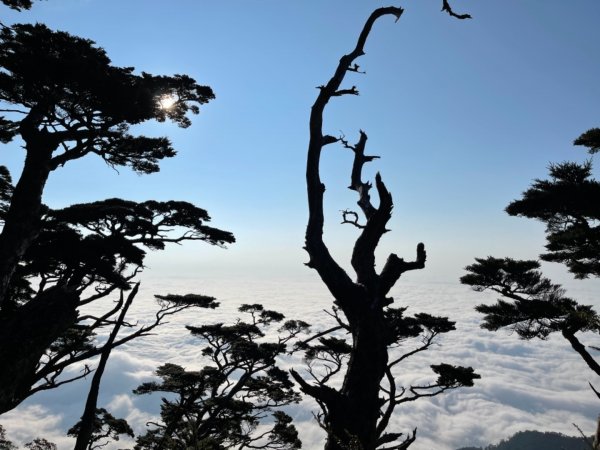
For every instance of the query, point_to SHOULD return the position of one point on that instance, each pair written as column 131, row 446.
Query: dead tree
column 356, row 415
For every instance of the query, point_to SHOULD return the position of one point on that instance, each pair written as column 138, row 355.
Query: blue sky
column 464, row 114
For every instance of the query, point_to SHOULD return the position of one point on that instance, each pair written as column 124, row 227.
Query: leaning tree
column 357, row 413
column 61, row 97
column 534, row 307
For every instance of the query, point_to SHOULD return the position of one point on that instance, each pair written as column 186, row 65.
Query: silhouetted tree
column 78, row 105
column 535, row 307
column 18, row 4
column 87, row 430
column 36, row 444
column 41, row 444
column 105, row 428
column 62, row 97
column 357, row 414
column 5, row 444
column 235, row 400
column 569, row 204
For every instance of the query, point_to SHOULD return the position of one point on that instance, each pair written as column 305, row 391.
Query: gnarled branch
column 356, row 183
column 394, row 267
column 336, row 279
column 447, row 8
column 353, row 218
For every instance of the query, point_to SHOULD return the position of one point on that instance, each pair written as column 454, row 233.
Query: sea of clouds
column 536, row 385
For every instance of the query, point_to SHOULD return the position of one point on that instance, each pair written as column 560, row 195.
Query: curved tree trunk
column 25, row 335
column 22, row 221
column 27, row 331
column 86, row 427
column 351, row 414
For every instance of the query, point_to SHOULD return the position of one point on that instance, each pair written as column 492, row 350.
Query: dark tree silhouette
column 93, row 250
column 357, row 414
column 78, row 105
column 36, row 444
column 18, row 4
column 41, row 444
column 105, row 428
column 235, row 401
column 535, row 307
column 5, row 444
column 89, row 430
column 568, row 203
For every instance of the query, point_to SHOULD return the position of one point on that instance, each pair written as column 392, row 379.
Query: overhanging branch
column 363, row 255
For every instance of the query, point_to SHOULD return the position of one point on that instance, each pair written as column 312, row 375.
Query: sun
column 167, row 101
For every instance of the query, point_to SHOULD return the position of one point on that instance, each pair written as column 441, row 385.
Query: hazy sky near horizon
column 464, row 114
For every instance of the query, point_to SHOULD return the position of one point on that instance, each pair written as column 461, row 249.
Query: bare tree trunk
column 25, row 335
column 21, row 224
column 351, row 414
column 354, row 420
column 88, row 417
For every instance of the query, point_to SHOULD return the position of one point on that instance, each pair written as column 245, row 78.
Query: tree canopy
column 567, row 204
column 62, row 97
column 80, row 103
column 535, row 307
column 235, row 400
column 18, row 4
column 106, row 428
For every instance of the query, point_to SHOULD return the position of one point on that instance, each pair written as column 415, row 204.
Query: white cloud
column 525, row 385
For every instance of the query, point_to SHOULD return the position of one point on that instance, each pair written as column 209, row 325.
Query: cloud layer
column 540, row 385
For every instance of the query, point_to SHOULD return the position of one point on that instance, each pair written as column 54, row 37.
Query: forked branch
column 356, row 183
column 395, row 267
column 336, row 279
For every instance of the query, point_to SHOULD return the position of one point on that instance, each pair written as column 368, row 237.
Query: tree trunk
column 27, row 331
column 86, row 429
column 353, row 422
column 22, row 222
column 25, row 334
column 351, row 413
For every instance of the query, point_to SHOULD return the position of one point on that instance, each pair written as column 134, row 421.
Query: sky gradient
column 464, row 114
